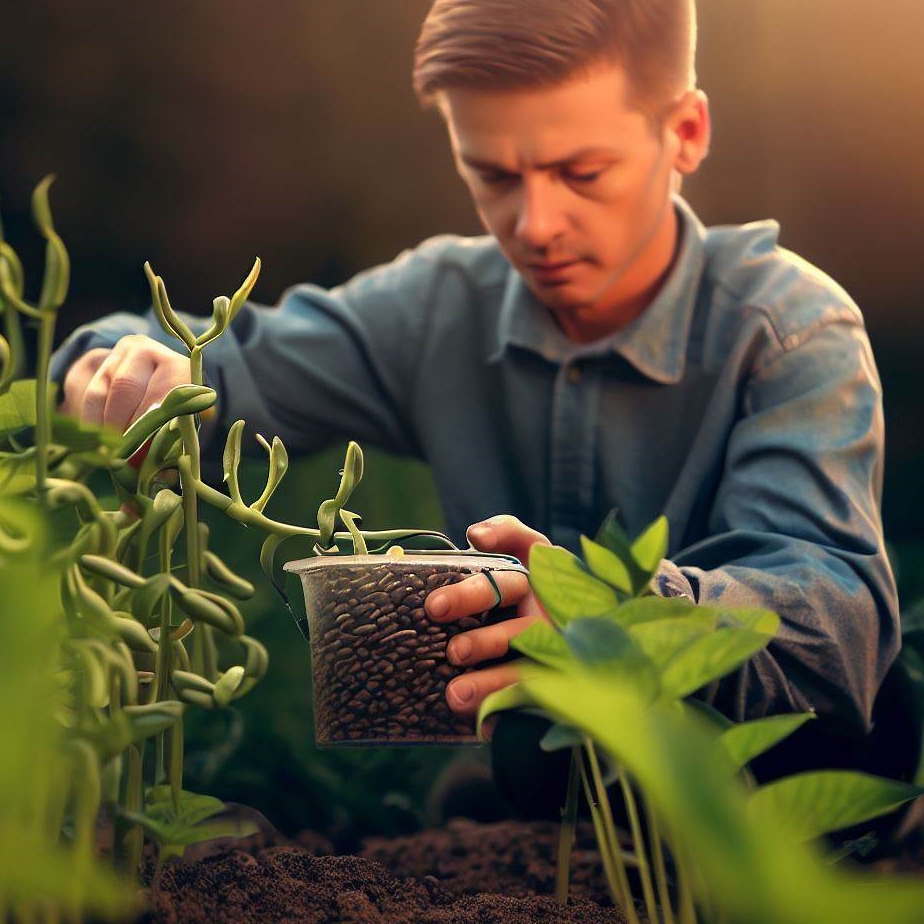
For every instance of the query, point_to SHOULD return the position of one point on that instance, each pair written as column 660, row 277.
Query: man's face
column 575, row 185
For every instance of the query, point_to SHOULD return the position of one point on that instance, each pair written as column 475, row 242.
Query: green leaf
column 199, row 818
column 191, row 808
column 544, row 644
column 613, row 536
column 746, row 870
column 663, row 639
column 649, row 609
column 742, row 743
column 651, row 546
column 708, row 658
column 17, row 473
column 821, row 801
column 512, row 697
column 597, row 640
column 564, row 586
column 17, row 408
column 560, row 736
column 81, row 436
column 607, row 565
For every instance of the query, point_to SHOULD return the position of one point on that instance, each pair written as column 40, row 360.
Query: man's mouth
column 552, row 271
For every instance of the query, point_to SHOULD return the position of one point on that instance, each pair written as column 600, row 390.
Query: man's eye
column 495, row 177
column 583, row 176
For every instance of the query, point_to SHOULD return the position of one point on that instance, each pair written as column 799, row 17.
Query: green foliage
column 176, row 823
column 613, row 669
column 811, row 804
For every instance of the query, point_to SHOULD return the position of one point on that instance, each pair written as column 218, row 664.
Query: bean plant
column 140, row 620
column 616, row 668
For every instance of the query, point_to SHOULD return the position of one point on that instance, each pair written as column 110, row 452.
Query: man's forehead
column 543, row 125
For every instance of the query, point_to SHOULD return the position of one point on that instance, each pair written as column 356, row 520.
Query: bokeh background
column 198, row 134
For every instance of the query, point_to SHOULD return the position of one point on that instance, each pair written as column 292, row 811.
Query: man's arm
column 795, row 527
column 318, row 365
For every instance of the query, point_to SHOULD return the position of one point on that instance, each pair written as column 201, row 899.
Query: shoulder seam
column 794, row 340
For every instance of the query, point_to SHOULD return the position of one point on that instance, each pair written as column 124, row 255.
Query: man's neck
column 632, row 293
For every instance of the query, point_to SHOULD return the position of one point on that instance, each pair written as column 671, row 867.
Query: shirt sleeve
column 795, row 528
column 319, row 365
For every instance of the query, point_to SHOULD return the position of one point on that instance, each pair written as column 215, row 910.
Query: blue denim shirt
column 744, row 404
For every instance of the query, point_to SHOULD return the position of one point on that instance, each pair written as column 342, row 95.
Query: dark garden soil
column 464, row 873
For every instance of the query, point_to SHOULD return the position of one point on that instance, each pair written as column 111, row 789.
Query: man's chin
column 565, row 297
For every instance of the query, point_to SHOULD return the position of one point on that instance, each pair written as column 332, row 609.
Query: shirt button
column 575, row 375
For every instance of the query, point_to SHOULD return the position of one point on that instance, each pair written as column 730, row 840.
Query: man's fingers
column 476, row 594
column 488, row 642
column 127, row 385
column 165, row 377
column 92, row 403
column 78, row 377
column 505, row 534
column 466, row 693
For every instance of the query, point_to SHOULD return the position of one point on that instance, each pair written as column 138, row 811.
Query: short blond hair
column 526, row 44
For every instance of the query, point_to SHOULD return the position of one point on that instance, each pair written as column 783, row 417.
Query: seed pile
column 379, row 664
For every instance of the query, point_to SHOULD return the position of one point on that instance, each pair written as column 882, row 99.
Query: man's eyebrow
column 581, row 154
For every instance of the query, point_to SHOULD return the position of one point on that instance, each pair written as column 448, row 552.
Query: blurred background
column 198, row 134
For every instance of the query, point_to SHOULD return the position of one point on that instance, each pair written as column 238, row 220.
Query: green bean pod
column 203, row 607
column 241, row 295
column 184, row 681
column 219, row 572
column 227, row 685
column 179, row 401
column 257, row 661
column 112, row 570
column 132, row 632
column 278, row 465
column 231, row 460
column 169, row 320
column 57, row 263
column 152, row 718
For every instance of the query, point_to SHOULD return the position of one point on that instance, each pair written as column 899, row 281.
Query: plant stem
column 610, row 853
column 638, row 841
column 203, row 655
column 162, row 661
column 566, row 832
column 42, row 402
column 175, row 767
column 654, row 836
column 686, row 909
column 607, row 815
column 129, row 837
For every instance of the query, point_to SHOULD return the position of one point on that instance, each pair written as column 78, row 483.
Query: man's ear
column 691, row 126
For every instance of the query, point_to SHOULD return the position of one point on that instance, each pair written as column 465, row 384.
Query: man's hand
column 115, row 387
column 502, row 534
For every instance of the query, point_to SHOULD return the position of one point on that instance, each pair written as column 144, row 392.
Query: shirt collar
column 655, row 343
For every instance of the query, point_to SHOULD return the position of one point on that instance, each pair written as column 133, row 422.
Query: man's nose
column 540, row 218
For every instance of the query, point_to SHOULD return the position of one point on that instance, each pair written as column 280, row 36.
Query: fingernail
column 482, row 536
column 437, row 605
column 462, row 691
column 459, row 649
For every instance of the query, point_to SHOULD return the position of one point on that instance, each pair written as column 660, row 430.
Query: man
column 599, row 349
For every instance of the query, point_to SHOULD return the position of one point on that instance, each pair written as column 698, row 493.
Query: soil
column 465, row 873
